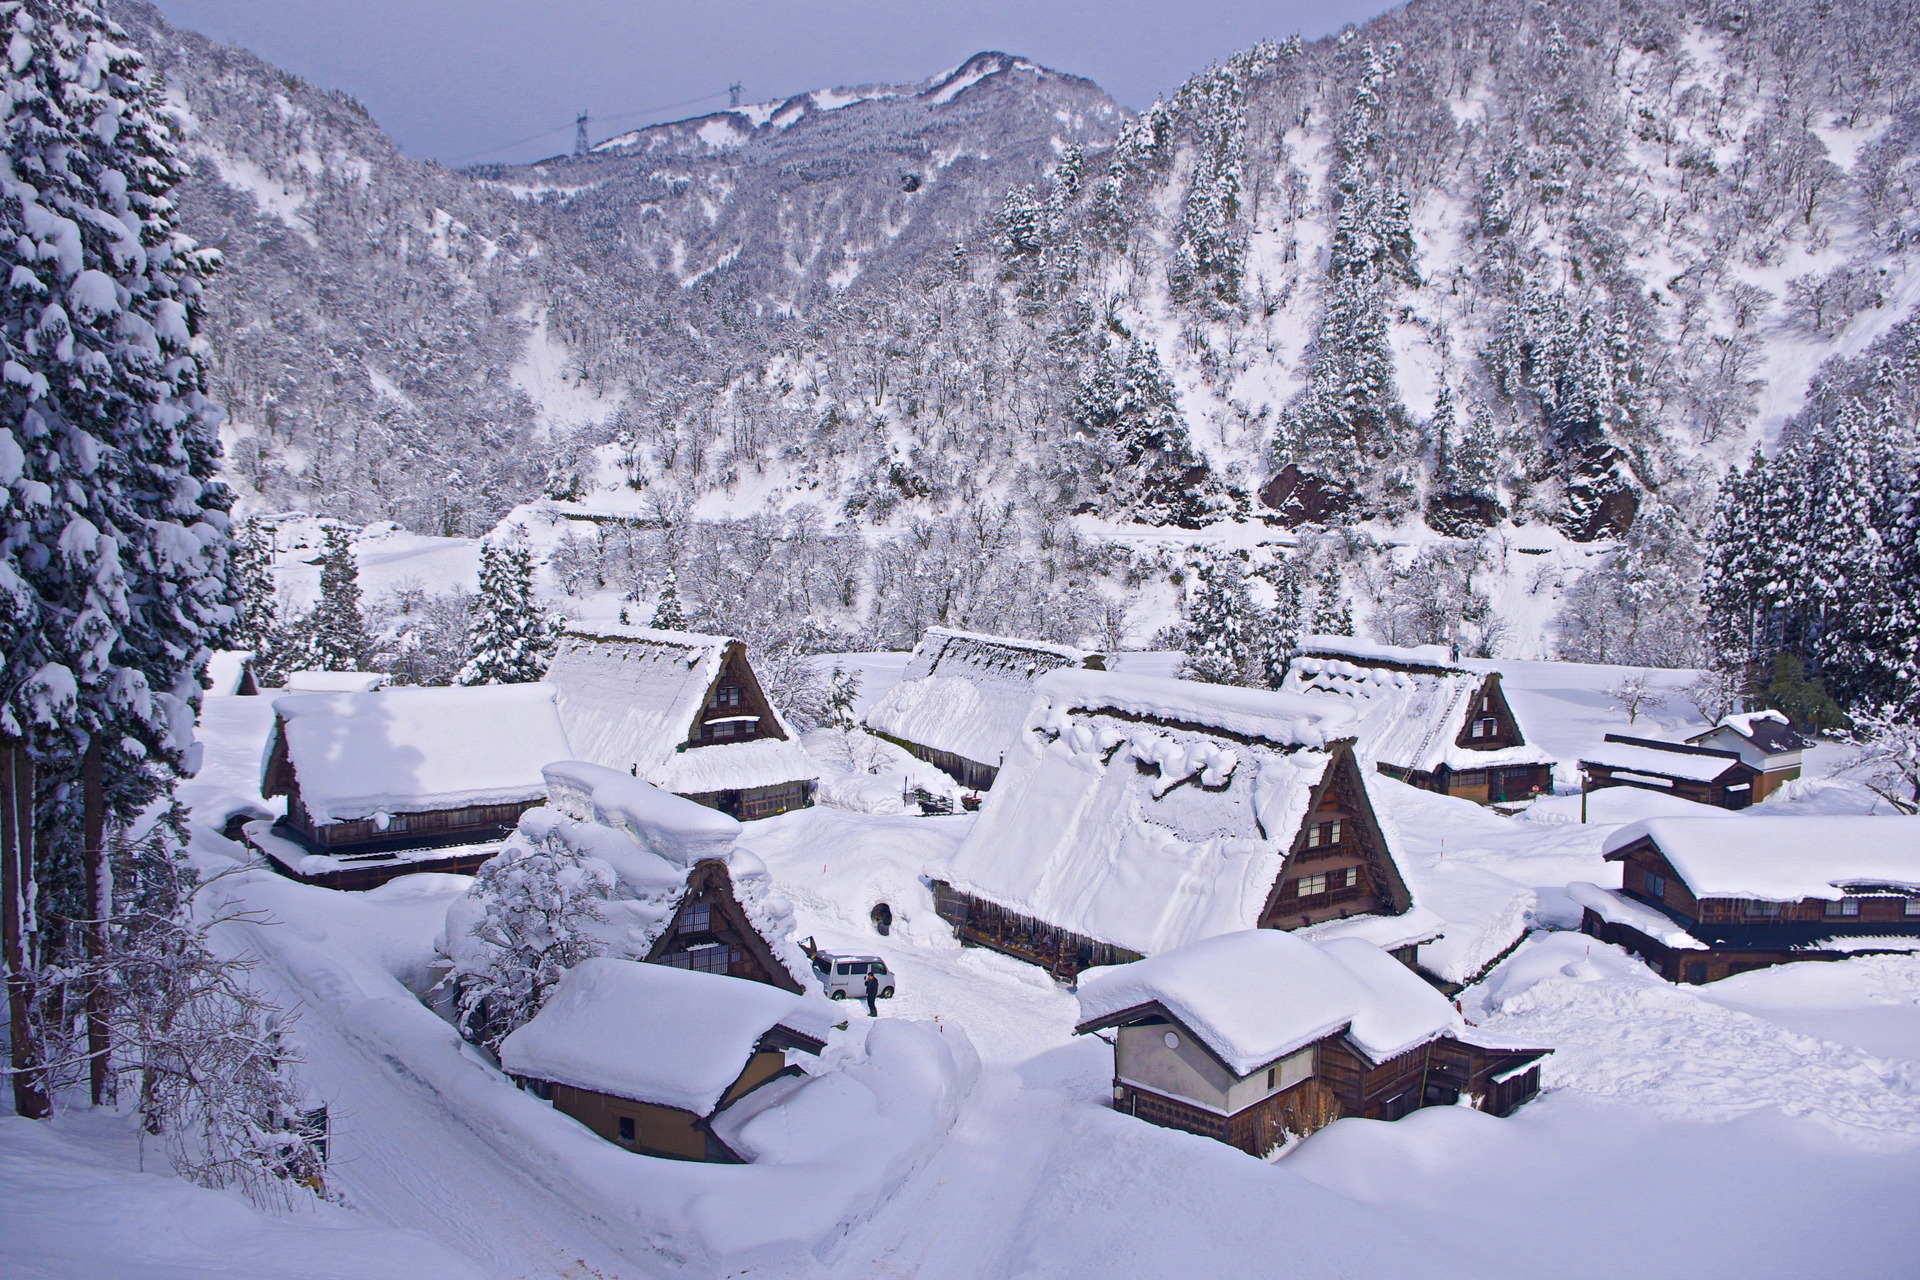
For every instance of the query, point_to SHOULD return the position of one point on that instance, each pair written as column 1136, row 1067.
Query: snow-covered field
column 1764, row 1126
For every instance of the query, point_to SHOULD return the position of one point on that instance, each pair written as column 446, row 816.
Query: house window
column 718, row 959
column 1323, row 833
column 725, row 696
column 1844, row 907
column 1762, row 909
column 626, row 1129
column 1911, row 907
column 697, row 918
column 722, row 730
column 1308, row 886
column 1656, row 885
column 1273, row 1076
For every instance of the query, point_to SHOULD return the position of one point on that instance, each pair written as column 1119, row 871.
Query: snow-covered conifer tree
column 668, row 615
column 334, row 636
column 1221, row 641
column 509, row 641
column 843, row 690
column 250, row 587
column 113, row 540
column 1332, row 615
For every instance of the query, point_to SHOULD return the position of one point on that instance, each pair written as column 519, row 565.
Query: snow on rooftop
column 334, row 681
column 1372, row 651
column 1785, row 858
column 356, row 755
column 1147, row 813
column 649, row 1032
column 1412, row 720
column 968, row 693
column 670, row 825
column 631, row 696
column 1616, row 908
column 1258, row 995
column 1652, row 760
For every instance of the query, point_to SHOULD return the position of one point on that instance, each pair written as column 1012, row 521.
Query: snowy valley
column 951, row 679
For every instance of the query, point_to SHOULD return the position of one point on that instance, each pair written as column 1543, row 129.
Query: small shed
column 961, row 701
column 385, row 783
column 1765, row 741
column 682, row 711
column 1427, row 723
column 647, row 1056
column 1704, row 775
column 1259, row 1037
column 1704, row 898
column 229, row 673
column 1136, row 815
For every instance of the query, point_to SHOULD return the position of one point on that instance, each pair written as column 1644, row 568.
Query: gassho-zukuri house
column 401, row 780
column 650, row 1057
column 1136, row 815
column 1259, row 1038
column 1704, row 775
column 1765, row 742
column 684, row 894
column 963, row 697
column 1704, row 898
column 683, row 712
column 1428, row 724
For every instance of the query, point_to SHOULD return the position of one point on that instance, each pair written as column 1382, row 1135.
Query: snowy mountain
column 1464, row 277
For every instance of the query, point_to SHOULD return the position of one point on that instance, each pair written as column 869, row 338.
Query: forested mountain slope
column 1620, row 236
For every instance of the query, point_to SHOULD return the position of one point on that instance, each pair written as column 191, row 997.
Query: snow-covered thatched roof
column 1258, row 995
column 969, row 693
column 1412, row 708
column 1149, row 813
column 354, row 755
column 648, row 1032
column 1782, row 859
column 632, row 698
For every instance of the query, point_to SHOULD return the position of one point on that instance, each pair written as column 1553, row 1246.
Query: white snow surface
column 1410, row 720
column 967, row 693
column 1259, row 995
column 630, row 697
column 413, row 750
column 1784, row 858
column 649, row 1032
column 1076, row 834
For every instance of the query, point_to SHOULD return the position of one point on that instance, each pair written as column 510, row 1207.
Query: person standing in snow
column 873, row 995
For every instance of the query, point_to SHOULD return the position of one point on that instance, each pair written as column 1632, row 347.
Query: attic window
column 1323, row 833
column 1486, row 727
column 697, row 918
column 726, row 695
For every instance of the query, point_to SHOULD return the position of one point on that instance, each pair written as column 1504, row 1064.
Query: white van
column 844, row 976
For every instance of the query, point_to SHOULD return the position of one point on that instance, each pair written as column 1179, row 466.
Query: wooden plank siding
column 970, row 774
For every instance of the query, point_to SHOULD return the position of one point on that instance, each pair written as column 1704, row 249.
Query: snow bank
column 413, row 750
column 648, row 1032
column 1255, row 996
column 1783, row 858
column 865, row 774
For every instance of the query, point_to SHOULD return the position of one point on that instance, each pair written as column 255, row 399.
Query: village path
column 402, row 1151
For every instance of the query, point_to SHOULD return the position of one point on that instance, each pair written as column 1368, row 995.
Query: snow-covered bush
column 539, row 902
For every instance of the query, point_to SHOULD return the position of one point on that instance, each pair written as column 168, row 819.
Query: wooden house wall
column 1341, row 795
column 1490, row 701
column 968, row 773
column 662, row 1130
column 1061, row 952
column 1697, row 967
column 710, row 931
column 735, row 674
column 757, row 802
column 1732, row 790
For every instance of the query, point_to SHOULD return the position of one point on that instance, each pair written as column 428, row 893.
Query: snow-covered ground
column 1765, row 1126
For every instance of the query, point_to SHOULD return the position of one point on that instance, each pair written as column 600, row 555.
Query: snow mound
column 669, row 825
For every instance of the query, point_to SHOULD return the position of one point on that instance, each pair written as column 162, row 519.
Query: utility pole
column 580, row 144
column 733, row 95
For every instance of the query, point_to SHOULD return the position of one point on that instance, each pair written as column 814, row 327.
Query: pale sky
column 455, row 80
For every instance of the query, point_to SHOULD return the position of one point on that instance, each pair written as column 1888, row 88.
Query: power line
column 578, row 123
